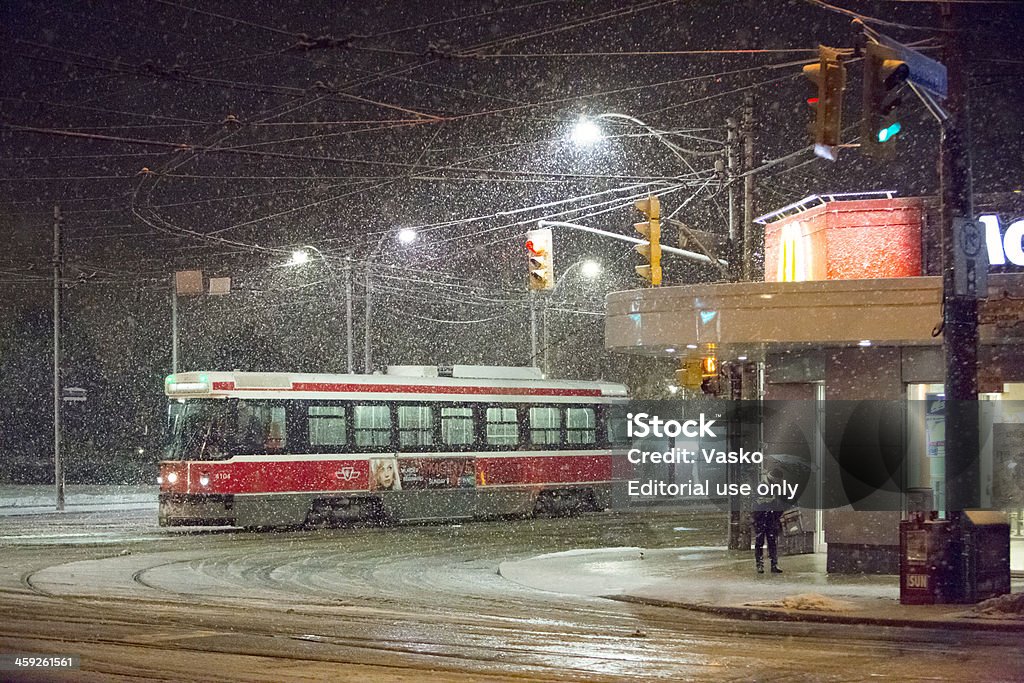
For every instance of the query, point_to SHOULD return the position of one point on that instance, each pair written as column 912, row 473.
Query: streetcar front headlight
column 204, row 480
column 160, row 479
column 172, row 477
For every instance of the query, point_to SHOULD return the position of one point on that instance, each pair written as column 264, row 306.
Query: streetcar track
column 505, row 624
column 440, row 598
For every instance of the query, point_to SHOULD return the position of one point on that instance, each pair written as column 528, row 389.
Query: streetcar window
column 214, row 430
column 545, row 425
column 502, row 427
column 260, row 427
column 371, row 425
column 327, row 426
column 201, row 430
column 415, row 425
column 616, row 426
column 457, row 426
column 580, row 425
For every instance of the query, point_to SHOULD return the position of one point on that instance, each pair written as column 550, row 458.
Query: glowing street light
column 407, row 236
column 590, row 269
column 300, row 257
column 586, row 133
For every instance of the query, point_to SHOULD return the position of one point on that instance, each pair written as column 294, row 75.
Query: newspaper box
column 929, row 562
column 985, row 555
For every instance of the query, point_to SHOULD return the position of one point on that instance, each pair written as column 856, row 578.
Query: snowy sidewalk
column 719, row 581
column 35, row 500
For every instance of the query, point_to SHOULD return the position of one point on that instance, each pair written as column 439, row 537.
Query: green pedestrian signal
column 889, row 132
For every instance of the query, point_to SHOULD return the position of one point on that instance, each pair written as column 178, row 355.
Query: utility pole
column 545, row 342
column 348, row 315
column 58, row 284
column 533, row 328
column 960, row 309
column 748, row 185
column 732, row 135
column 174, row 323
column 740, row 259
column 368, row 311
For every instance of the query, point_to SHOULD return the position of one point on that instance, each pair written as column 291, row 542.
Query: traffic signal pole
column 58, row 284
column 692, row 255
column 960, row 310
column 748, row 187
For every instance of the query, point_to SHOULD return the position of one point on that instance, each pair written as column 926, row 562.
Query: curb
column 769, row 614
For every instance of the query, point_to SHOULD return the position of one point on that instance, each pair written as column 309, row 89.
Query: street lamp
column 586, row 133
column 405, row 236
column 300, row 257
column 589, row 269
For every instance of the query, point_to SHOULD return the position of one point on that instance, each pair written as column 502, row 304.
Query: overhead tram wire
column 531, row 221
column 549, row 101
column 103, row 110
column 183, row 76
column 195, row 147
column 619, row 91
column 574, row 213
column 871, row 20
column 753, row 86
column 455, row 322
column 434, row 226
column 453, row 289
column 415, row 27
column 253, row 221
column 574, row 24
column 648, row 53
column 266, row 115
column 286, row 156
column 273, row 113
column 430, row 24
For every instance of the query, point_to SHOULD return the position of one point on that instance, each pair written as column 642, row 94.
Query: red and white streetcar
column 418, row 443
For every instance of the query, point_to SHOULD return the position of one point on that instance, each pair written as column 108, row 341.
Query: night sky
column 222, row 135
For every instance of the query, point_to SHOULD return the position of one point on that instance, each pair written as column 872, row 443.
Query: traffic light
column 541, row 261
column 709, row 383
column 689, row 375
column 828, row 77
column 708, row 367
column 651, row 249
column 884, row 75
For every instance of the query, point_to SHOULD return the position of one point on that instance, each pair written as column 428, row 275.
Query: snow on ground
column 16, row 500
column 808, row 601
column 1009, row 606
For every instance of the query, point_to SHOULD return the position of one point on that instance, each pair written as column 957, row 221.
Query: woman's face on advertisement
column 386, row 474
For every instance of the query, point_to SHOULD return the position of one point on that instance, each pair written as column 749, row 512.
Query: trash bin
column 795, row 538
column 985, row 554
column 929, row 561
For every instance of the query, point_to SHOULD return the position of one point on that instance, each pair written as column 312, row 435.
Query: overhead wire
column 414, row 175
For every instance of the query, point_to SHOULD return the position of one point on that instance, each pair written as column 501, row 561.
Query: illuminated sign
column 1004, row 248
column 794, row 257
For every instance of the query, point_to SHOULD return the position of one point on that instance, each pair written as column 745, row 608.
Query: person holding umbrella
column 767, row 520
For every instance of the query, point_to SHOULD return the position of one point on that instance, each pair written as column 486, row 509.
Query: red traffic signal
column 828, row 77
column 541, row 260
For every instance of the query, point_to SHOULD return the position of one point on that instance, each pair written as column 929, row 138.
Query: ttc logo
column 347, row 473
